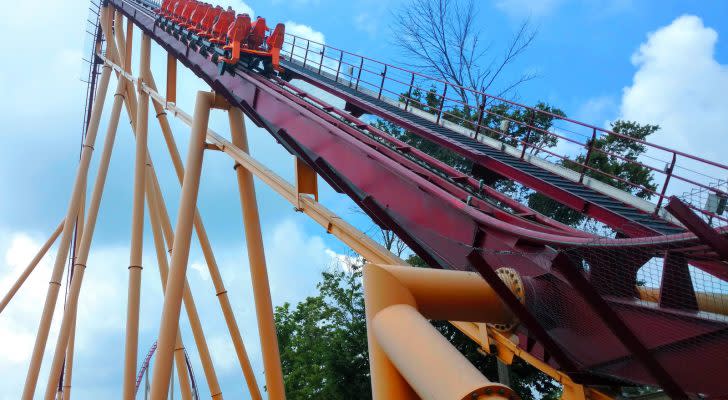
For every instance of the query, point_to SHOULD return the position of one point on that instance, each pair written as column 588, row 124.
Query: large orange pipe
column 434, row 368
column 137, row 228
column 716, row 303
column 181, row 249
column 464, row 295
column 258, row 269
column 456, row 295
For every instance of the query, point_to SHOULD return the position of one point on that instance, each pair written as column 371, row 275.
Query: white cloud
column 51, row 75
column 366, row 23
column 344, row 262
column 315, row 47
column 296, row 261
column 18, row 319
column 304, row 31
column 518, row 8
column 297, row 3
column 680, row 86
column 240, row 7
column 201, row 269
column 100, row 314
column 597, row 110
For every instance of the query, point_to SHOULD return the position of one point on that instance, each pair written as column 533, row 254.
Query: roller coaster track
column 452, row 221
column 581, row 307
column 147, row 361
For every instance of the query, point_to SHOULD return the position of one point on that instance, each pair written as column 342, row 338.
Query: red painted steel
column 428, row 209
column 472, row 94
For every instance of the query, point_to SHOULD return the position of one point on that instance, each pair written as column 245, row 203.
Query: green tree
column 612, row 156
column 523, row 125
column 323, row 344
column 432, row 149
column 323, row 341
column 615, row 155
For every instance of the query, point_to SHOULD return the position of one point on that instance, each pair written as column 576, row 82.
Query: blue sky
column 659, row 62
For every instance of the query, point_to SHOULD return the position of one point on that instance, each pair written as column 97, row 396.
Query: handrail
column 586, row 125
column 360, row 74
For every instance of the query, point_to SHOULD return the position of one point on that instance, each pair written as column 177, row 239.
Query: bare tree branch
column 442, row 38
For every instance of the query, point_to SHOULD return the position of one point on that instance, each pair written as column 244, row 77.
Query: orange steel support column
column 64, row 245
column 171, row 78
column 189, row 302
column 428, row 362
column 181, row 249
column 120, row 44
column 179, row 354
column 137, row 228
column 353, row 237
column 65, row 390
column 119, row 49
column 84, row 246
column 215, row 276
column 31, row 266
column 195, row 324
column 258, row 272
column 64, row 387
column 129, row 37
column 403, row 345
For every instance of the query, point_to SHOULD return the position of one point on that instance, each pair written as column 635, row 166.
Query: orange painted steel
column 220, row 291
column 171, row 78
column 716, row 303
column 195, row 324
column 162, row 263
column 424, row 290
column 64, row 386
column 137, row 228
column 84, row 247
column 31, row 266
column 180, row 251
column 427, row 360
column 258, row 269
column 64, row 245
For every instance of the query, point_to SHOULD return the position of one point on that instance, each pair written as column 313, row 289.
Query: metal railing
column 571, row 142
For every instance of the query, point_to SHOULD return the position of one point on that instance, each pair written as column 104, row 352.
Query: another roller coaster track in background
column 565, row 300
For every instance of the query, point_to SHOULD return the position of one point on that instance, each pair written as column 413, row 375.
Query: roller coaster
column 643, row 301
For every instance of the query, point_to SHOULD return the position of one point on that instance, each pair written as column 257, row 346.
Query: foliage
column 613, row 155
column 603, row 158
column 604, row 161
column 323, row 341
